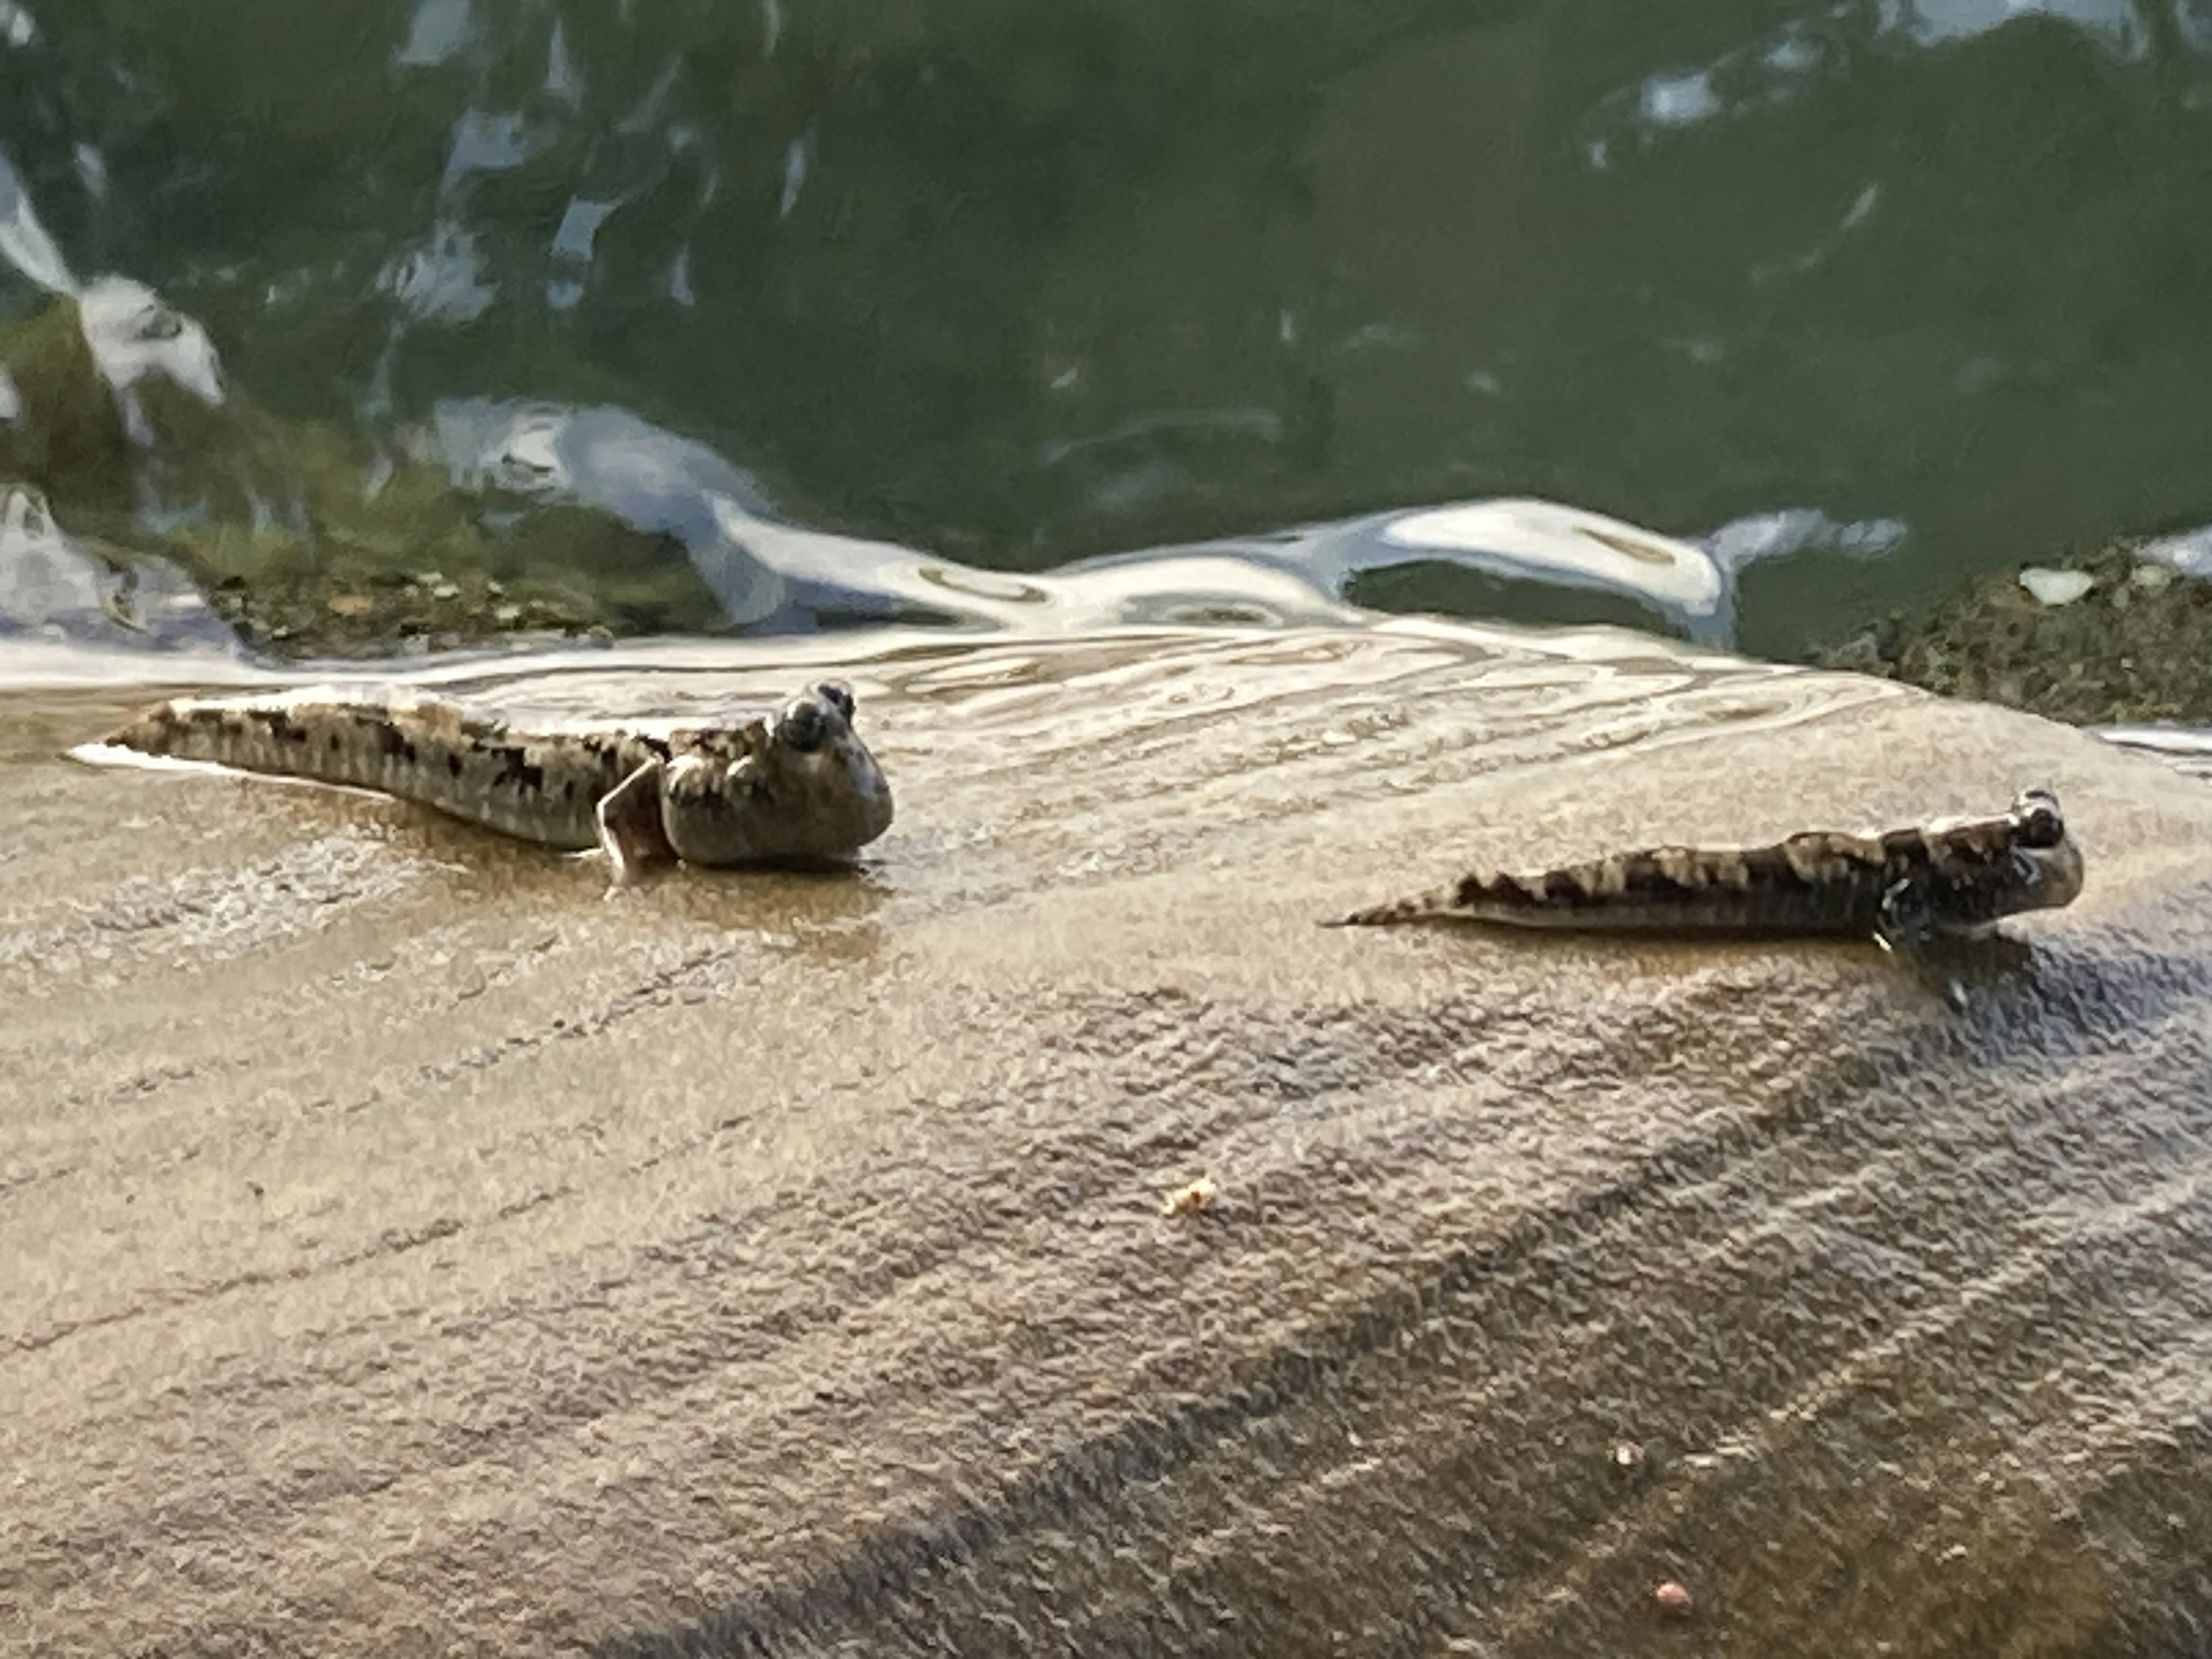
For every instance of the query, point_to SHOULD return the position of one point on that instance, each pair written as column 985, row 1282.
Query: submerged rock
column 2121, row 636
column 303, row 538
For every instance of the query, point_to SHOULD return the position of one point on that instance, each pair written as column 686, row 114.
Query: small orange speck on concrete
column 1190, row 1200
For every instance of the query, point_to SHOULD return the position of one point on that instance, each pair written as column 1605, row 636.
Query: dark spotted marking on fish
column 796, row 783
column 1950, row 877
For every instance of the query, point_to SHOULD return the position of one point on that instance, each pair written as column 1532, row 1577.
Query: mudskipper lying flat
column 795, row 784
column 1952, row 878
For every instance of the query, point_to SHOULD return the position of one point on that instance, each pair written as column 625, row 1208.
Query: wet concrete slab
column 410, row 1248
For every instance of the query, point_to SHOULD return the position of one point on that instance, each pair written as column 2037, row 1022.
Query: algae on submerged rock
column 305, row 538
column 2136, row 646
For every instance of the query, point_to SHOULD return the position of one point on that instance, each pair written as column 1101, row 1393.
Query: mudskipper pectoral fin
column 630, row 829
column 1950, row 960
column 1907, row 922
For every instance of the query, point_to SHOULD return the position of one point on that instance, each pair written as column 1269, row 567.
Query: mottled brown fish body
column 539, row 788
column 1673, row 890
column 1957, row 876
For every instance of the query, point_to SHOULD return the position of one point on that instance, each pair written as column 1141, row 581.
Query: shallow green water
column 1020, row 283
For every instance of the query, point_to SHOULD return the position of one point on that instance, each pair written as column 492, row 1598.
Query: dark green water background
column 1020, row 283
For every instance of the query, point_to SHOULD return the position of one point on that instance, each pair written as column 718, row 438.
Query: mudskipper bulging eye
column 837, row 695
column 801, row 726
column 2036, row 819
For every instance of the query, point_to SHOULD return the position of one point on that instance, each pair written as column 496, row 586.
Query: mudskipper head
column 2046, row 863
column 816, row 767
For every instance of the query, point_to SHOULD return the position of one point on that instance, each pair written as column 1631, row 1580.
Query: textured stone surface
column 409, row 1250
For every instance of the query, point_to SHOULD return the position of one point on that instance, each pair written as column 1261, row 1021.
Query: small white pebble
column 2055, row 587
